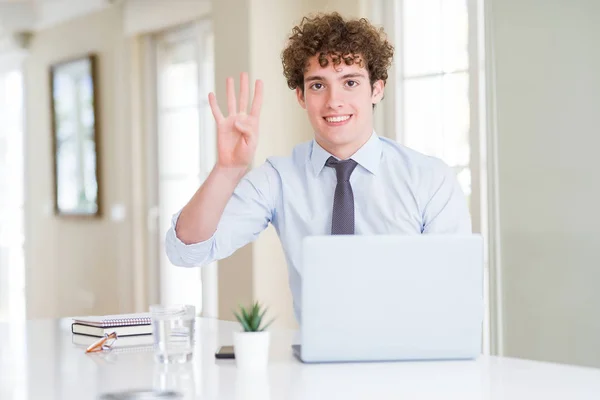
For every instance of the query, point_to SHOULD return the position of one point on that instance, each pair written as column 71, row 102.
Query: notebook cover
column 127, row 330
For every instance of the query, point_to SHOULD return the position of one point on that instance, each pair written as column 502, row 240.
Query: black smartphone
column 225, row 352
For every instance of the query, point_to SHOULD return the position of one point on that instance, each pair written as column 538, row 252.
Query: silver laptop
column 391, row 298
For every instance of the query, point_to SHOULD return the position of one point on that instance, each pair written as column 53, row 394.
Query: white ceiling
column 20, row 18
column 32, row 15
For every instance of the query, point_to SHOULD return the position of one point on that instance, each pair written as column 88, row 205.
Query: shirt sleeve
column 247, row 213
column 446, row 211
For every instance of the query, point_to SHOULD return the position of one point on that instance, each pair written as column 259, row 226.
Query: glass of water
column 173, row 331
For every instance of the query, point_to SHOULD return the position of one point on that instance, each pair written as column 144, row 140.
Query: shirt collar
column 368, row 156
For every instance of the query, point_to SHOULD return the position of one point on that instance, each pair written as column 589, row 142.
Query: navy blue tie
column 342, row 221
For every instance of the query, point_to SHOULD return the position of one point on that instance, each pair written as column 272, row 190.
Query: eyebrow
column 346, row 76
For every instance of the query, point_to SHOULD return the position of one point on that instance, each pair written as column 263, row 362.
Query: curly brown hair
column 336, row 39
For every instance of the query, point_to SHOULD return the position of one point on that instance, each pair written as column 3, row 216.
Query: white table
column 38, row 360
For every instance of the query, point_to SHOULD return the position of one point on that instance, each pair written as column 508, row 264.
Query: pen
column 99, row 345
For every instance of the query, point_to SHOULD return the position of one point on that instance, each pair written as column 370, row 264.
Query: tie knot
column 343, row 168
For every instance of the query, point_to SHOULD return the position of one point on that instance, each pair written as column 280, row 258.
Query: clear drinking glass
column 173, row 331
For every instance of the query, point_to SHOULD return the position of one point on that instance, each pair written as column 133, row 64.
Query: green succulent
column 251, row 318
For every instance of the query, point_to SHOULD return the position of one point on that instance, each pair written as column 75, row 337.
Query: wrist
column 233, row 174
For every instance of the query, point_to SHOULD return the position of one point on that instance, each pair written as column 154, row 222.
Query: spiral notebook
column 122, row 324
column 107, row 321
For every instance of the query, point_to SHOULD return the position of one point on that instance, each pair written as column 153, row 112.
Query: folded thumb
column 245, row 129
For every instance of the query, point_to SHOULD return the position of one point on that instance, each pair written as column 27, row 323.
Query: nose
column 334, row 99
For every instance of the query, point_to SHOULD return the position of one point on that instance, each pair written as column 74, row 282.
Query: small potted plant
column 251, row 345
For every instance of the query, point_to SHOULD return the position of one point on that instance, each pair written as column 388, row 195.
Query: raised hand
column 237, row 134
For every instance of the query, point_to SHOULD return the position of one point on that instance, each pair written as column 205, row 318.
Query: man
column 348, row 180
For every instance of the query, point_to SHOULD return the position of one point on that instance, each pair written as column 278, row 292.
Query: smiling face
column 339, row 101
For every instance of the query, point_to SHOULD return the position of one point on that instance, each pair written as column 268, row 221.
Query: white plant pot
column 251, row 349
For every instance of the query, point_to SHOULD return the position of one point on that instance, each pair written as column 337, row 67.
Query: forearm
column 201, row 215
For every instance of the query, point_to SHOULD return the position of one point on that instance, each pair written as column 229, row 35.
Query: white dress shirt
column 396, row 191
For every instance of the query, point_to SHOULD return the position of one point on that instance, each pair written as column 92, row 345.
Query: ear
column 300, row 97
column 377, row 94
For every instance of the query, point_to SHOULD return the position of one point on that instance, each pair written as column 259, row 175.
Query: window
column 12, row 268
column 436, row 93
column 12, row 259
column 435, row 82
column 186, row 148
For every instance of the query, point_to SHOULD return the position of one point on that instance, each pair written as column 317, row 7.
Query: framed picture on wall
column 74, row 109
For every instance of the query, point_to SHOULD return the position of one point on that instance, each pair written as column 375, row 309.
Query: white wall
column 150, row 16
column 78, row 266
column 548, row 101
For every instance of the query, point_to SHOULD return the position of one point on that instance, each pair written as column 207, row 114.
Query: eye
column 316, row 86
column 351, row 83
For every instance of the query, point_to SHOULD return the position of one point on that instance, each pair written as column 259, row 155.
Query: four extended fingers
column 231, row 99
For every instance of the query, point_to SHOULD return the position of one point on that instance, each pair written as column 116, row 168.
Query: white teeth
column 337, row 119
